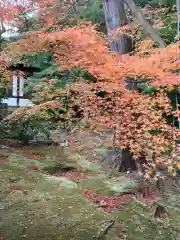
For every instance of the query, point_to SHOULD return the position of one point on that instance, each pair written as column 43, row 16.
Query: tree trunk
column 2, row 30
column 150, row 31
column 178, row 17
column 127, row 163
column 115, row 17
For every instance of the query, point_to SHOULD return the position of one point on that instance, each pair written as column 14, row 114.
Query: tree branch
column 137, row 13
column 2, row 30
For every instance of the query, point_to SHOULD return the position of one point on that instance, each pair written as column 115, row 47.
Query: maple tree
column 133, row 116
column 139, row 121
column 12, row 10
column 17, row 13
column 5, row 73
column 5, row 16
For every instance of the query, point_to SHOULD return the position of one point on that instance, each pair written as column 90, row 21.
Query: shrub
column 23, row 129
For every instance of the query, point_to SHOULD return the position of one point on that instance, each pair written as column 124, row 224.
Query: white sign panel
column 15, row 86
column 21, row 86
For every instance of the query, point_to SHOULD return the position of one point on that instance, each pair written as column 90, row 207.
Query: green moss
column 58, row 168
column 54, row 208
column 96, row 184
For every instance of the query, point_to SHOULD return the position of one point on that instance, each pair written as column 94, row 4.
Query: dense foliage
column 139, row 121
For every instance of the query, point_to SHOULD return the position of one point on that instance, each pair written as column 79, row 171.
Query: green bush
column 24, row 130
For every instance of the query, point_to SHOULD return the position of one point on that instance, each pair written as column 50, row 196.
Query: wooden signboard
column 17, row 86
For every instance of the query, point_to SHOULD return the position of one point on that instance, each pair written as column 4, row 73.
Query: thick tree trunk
column 2, row 30
column 119, row 160
column 127, row 163
column 115, row 17
column 149, row 30
column 178, row 17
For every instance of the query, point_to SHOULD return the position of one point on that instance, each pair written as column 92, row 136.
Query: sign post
column 18, row 83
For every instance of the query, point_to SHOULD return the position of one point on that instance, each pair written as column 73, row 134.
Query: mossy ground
column 53, row 208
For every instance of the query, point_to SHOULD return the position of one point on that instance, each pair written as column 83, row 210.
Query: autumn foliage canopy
column 133, row 116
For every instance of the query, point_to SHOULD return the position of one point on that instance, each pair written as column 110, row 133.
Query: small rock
column 25, row 236
column 2, row 206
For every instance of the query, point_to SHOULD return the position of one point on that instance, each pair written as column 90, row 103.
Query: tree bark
column 115, row 17
column 150, row 31
column 178, row 17
column 2, row 30
column 127, row 163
